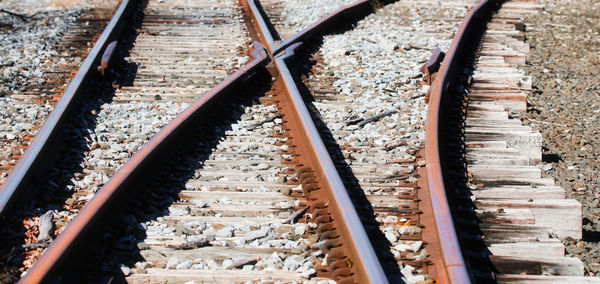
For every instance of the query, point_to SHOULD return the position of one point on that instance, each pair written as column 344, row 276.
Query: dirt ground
column 565, row 108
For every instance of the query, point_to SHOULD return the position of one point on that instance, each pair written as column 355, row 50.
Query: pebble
column 546, row 167
column 198, row 225
column 184, row 265
column 143, row 246
column 256, row 234
column 300, row 230
column 143, row 265
column 227, row 263
column 391, row 236
column 415, row 246
column 300, row 248
column 293, row 262
column 126, row 270
column 200, row 203
column 307, row 273
column 172, row 263
column 226, row 232
column 177, row 211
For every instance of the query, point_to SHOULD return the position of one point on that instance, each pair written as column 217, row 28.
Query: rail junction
column 252, row 182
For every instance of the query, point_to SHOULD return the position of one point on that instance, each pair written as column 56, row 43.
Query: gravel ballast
column 27, row 48
column 564, row 106
column 367, row 91
column 28, row 51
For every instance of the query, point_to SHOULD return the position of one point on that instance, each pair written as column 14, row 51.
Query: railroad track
column 265, row 177
column 36, row 100
column 113, row 125
column 510, row 220
column 58, row 71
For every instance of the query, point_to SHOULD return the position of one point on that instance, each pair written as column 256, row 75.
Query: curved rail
column 322, row 24
column 448, row 241
column 39, row 154
column 367, row 268
column 88, row 221
column 276, row 47
column 48, row 265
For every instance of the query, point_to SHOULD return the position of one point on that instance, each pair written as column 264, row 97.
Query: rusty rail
column 275, row 48
column 313, row 153
column 40, row 154
column 366, row 267
column 322, row 24
column 65, row 247
column 48, row 267
column 454, row 263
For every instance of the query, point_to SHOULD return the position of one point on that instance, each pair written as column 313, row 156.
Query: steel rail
column 321, row 24
column 276, row 47
column 454, row 262
column 367, row 268
column 61, row 251
column 39, row 155
column 366, row 265
column 263, row 28
column 48, row 266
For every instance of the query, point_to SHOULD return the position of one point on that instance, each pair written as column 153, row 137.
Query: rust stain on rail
column 351, row 258
column 447, row 240
column 46, row 267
